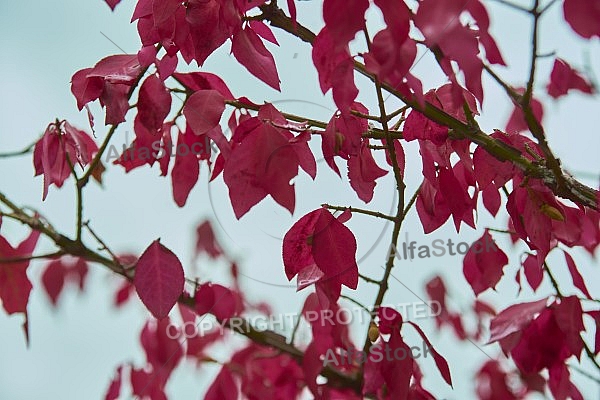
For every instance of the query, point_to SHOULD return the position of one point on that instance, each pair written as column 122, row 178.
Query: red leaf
column 569, row 317
column 483, row 268
column 456, row 196
column 560, row 383
column 158, row 279
column 206, row 241
column 123, row 293
column 541, row 345
column 343, row 136
column 112, row 3
column 318, row 238
column 147, row 384
column 207, row 27
column 61, row 143
column 167, row 65
column 223, row 387
column 514, row 319
column 263, row 161
column 204, row 81
column 203, row 110
column 583, row 16
column 596, row 315
column 336, row 69
column 441, row 25
column 390, row 320
column 292, row 9
column 154, row 103
column 516, row 122
column 363, row 172
column 218, row 300
column 84, row 89
column 343, row 19
column 14, row 284
column 114, row 389
column 578, row 280
column 492, row 383
column 186, row 170
column 53, row 279
column 117, row 69
column 431, row 207
column 110, row 80
column 397, row 372
column 533, row 271
column 114, row 98
column 49, row 158
column 250, row 51
column 440, row 362
column 563, row 78
column 263, row 31
column 163, row 352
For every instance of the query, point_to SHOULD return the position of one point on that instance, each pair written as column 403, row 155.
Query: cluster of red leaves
column 59, row 150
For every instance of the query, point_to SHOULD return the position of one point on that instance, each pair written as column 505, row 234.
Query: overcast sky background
column 75, row 349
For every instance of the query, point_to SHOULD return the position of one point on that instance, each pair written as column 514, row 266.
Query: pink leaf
column 483, row 268
column 514, row 319
column 223, row 387
column 263, row 161
column 389, row 320
column 583, row 16
column 319, row 239
column 154, row 103
column 203, row 110
column 53, row 279
column 206, row 242
column 204, row 81
column 343, row 19
column 184, row 174
column 440, row 361
column 15, row 286
column 263, row 31
column 563, row 78
column 158, row 279
column 112, row 3
column 363, row 172
column 250, row 51
column 578, row 280
column 84, row 89
column 114, row 389
column 533, row 271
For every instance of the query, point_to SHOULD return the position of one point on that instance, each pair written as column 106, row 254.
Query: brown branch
column 52, row 255
column 266, row 338
column 17, row 153
column 360, row 211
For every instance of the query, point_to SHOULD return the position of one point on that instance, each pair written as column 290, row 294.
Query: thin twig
column 17, row 153
column 359, row 211
column 367, row 279
column 55, row 254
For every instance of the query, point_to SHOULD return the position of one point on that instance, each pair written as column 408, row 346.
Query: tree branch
column 570, row 189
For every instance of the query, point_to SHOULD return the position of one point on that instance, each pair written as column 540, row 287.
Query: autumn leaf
column 158, row 279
